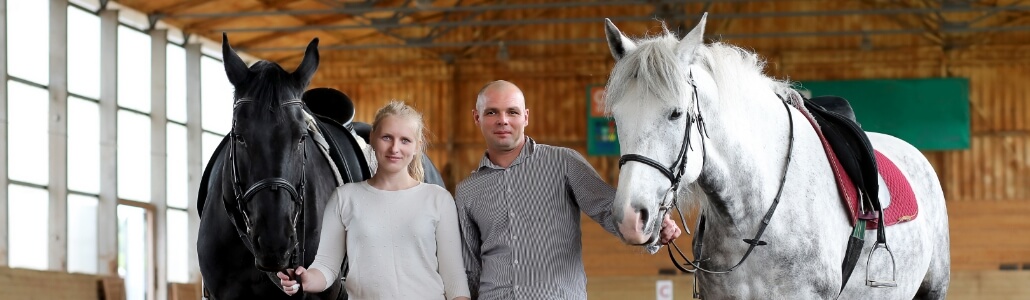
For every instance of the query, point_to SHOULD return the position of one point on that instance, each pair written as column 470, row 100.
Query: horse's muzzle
column 634, row 227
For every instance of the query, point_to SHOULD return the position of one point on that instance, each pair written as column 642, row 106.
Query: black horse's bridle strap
column 274, row 184
column 766, row 219
column 650, row 162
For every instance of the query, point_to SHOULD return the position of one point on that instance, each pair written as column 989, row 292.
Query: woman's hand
column 292, row 286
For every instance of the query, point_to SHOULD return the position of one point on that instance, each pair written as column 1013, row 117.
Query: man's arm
column 470, row 242
column 592, row 194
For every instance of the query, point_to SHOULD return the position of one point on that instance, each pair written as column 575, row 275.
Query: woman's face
column 395, row 143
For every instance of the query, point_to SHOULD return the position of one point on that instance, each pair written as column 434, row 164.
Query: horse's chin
column 270, row 264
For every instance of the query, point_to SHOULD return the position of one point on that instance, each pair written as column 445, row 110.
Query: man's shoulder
column 554, row 152
column 465, row 186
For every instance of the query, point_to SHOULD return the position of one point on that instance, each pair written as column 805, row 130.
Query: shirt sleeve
column 332, row 247
column 448, row 248
column 592, row 194
column 470, row 242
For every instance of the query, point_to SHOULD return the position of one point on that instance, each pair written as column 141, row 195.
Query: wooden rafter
column 928, row 33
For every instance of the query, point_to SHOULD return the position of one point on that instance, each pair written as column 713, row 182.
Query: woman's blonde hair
column 398, row 108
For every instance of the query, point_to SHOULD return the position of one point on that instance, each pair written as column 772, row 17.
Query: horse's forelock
column 655, row 66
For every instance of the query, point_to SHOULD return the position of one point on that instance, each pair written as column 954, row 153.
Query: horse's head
column 267, row 153
column 652, row 95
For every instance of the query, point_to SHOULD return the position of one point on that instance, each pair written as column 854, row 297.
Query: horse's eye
column 239, row 139
column 303, row 138
column 676, row 114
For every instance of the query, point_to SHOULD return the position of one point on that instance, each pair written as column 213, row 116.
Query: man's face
column 503, row 119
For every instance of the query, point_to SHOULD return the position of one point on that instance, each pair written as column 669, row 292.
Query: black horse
column 266, row 186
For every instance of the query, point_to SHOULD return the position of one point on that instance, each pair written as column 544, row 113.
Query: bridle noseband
column 242, row 196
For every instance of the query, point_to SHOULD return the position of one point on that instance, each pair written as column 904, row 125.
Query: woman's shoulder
column 435, row 190
column 350, row 189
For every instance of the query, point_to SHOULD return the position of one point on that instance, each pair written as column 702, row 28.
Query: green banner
column 931, row 113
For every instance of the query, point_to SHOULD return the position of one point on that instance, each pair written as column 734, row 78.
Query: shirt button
column 514, row 237
column 516, row 287
column 509, row 190
column 516, row 261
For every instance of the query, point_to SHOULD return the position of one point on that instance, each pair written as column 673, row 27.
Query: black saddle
column 331, row 104
column 849, row 142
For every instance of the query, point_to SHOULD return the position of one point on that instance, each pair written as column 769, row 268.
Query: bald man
column 519, row 210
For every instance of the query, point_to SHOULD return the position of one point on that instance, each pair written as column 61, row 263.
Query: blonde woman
column 401, row 235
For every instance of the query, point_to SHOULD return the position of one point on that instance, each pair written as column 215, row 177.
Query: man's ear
column 475, row 116
column 527, row 117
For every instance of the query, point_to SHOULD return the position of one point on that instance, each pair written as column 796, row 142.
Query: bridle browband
column 242, row 196
column 675, row 175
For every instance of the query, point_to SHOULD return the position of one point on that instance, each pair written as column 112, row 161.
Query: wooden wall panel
column 39, row 285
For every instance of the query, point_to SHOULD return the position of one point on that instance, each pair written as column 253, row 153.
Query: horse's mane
column 662, row 73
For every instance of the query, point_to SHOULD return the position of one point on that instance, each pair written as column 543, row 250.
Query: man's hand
column 670, row 231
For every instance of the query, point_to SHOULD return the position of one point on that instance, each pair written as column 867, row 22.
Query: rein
column 242, row 196
column 675, row 175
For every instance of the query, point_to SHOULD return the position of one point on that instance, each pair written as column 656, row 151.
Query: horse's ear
column 617, row 42
column 235, row 68
column 695, row 38
column 307, row 67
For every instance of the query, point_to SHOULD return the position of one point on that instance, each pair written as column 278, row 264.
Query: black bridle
column 675, row 175
column 242, row 196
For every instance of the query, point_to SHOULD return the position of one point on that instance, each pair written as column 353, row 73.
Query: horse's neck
column 746, row 153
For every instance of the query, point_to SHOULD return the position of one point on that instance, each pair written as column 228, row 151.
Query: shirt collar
column 527, row 151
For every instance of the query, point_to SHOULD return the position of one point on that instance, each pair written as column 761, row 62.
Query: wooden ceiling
column 458, row 29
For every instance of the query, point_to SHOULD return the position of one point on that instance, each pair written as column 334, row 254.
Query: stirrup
column 894, row 270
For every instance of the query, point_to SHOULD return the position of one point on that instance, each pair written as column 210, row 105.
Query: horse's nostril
column 643, row 217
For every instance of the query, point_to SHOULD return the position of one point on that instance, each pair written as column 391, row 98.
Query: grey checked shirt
column 520, row 226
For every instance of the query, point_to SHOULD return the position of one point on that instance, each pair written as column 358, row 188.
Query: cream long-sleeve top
column 402, row 244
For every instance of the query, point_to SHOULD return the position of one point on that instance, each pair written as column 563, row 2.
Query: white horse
column 744, row 154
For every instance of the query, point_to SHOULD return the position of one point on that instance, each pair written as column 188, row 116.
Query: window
column 83, row 145
column 133, row 69
column 216, row 97
column 176, row 84
column 27, row 209
column 28, row 40
column 28, row 149
column 133, row 156
column 83, row 53
column 177, row 176
column 82, row 233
